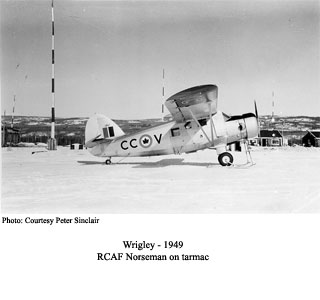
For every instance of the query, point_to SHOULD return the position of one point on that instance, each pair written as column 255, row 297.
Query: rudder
column 99, row 128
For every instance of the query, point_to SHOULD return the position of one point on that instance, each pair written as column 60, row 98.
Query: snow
column 76, row 122
column 23, row 144
column 283, row 180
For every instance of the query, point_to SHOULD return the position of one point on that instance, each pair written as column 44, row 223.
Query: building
column 311, row 139
column 270, row 138
column 10, row 136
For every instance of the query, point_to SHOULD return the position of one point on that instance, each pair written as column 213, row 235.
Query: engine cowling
column 242, row 127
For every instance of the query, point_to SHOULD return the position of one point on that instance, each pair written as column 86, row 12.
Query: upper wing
column 194, row 101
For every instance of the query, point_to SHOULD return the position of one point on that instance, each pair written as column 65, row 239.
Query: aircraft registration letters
column 145, row 141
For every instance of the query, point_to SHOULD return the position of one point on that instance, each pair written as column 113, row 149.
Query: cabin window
column 203, row 122
column 188, row 125
column 175, row 131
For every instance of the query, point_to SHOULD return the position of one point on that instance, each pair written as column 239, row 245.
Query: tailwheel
column 108, row 161
column 225, row 159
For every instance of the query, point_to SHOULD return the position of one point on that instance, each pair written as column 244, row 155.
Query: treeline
column 62, row 140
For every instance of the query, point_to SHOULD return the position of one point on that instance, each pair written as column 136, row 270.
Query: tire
column 108, row 161
column 225, row 159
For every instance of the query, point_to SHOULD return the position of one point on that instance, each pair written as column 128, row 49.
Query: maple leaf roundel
column 145, row 141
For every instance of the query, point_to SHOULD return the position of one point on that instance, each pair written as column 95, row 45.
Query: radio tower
column 52, row 143
column 162, row 109
column 12, row 116
column 272, row 118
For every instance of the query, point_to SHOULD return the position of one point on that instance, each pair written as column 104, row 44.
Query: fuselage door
column 178, row 135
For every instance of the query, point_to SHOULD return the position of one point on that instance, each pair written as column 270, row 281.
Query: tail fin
column 100, row 128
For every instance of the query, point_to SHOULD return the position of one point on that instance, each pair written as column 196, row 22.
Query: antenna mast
column 162, row 109
column 52, row 143
column 272, row 118
column 12, row 116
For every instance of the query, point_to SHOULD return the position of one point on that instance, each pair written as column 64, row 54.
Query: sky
column 109, row 56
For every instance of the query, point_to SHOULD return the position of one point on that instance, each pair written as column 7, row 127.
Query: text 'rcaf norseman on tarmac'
column 50, row 221
column 151, row 246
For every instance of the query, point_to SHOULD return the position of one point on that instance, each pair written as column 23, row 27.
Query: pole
column 52, row 145
column 52, row 73
column 282, row 133
column 12, row 116
column 272, row 118
column 163, row 82
column 4, row 140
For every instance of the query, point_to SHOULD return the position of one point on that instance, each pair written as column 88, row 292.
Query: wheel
column 225, row 159
column 108, row 161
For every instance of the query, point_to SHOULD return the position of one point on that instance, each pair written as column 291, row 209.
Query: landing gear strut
column 108, row 161
column 225, row 159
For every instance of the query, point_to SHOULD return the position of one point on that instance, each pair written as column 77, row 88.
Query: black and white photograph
column 185, row 114
column 160, row 107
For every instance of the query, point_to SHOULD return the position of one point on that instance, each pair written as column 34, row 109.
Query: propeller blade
column 255, row 109
column 257, row 116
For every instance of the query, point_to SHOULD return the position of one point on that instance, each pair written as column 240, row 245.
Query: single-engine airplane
column 196, row 125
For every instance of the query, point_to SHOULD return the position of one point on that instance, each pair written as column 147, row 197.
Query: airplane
column 196, row 125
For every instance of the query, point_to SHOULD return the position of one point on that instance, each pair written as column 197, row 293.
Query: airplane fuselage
column 177, row 138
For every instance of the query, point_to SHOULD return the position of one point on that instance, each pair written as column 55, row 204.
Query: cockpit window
column 188, row 125
column 203, row 122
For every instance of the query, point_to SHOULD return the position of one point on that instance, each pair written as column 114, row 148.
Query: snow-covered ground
column 72, row 181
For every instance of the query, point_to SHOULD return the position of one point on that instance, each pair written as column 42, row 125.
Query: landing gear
column 248, row 154
column 108, row 161
column 225, row 159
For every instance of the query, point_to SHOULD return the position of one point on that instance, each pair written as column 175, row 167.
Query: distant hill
column 68, row 130
column 71, row 130
column 296, row 123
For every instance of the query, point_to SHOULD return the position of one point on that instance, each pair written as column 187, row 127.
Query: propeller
column 257, row 116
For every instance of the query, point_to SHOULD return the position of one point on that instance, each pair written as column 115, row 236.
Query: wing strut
column 184, row 119
column 194, row 118
column 211, row 121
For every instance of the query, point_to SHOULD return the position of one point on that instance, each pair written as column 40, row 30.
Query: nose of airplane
column 252, row 126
